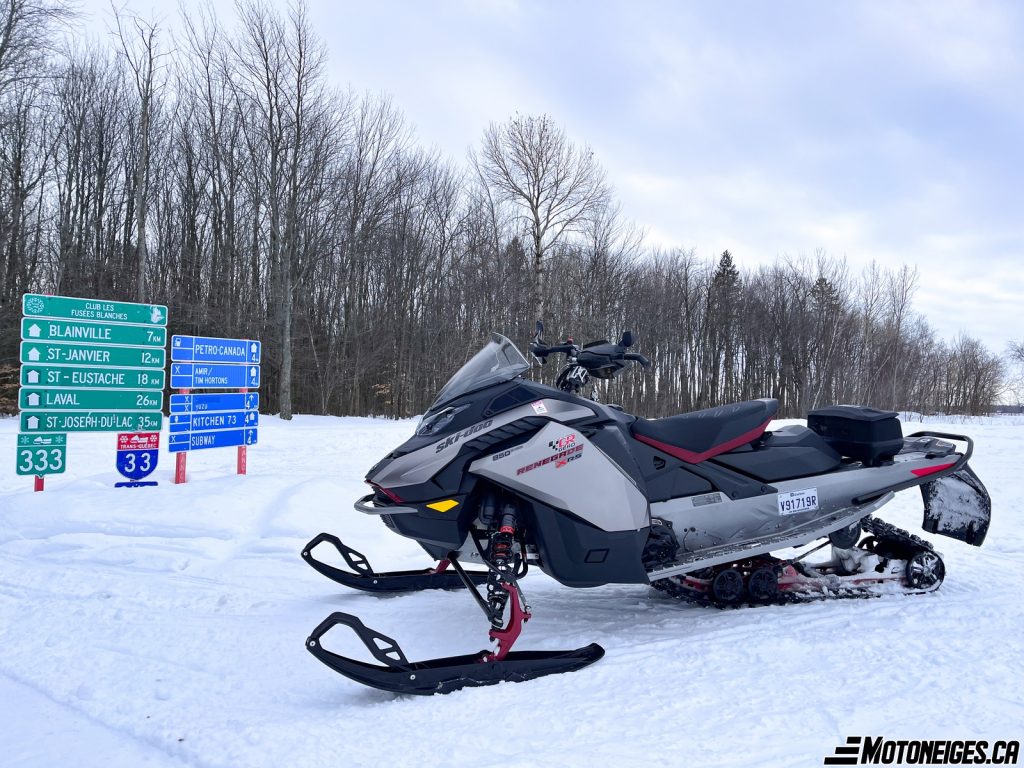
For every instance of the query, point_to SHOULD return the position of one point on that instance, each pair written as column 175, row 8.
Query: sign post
column 42, row 454
column 240, row 459
column 89, row 365
column 181, row 458
column 219, row 420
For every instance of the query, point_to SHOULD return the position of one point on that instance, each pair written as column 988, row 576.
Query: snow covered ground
column 165, row 627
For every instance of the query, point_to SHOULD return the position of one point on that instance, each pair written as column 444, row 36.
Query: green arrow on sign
column 90, row 421
column 89, row 378
column 94, row 310
column 35, row 328
column 90, row 399
column 41, row 454
column 91, row 354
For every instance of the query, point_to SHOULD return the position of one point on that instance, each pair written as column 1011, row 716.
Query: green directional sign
column 78, row 376
column 41, row 454
column 90, row 421
column 91, row 354
column 94, row 310
column 33, row 399
column 33, row 328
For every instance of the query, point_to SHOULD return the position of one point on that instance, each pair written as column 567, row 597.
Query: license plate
column 794, row 502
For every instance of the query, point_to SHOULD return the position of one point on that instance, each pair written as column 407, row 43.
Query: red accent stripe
column 387, row 492
column 931, row 470
column 696, row 458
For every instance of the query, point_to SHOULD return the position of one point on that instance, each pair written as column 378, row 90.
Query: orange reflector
column 443, row 506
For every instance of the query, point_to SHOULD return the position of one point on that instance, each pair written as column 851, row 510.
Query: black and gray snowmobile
column 505, row 473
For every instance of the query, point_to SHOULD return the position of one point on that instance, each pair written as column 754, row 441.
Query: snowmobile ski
column 399, row 675
column 369, row 580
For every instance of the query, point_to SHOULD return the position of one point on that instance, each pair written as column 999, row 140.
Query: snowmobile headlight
column 435, row 423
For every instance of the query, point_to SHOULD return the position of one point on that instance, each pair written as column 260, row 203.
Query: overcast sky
column 872, row 130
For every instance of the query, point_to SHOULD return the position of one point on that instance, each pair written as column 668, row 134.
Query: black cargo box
column 864, row 434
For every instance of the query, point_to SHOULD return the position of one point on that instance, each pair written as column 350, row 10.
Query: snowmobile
column 506, row 473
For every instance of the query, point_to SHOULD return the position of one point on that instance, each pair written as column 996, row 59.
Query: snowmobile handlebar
column 541, row 350
column 638, row 358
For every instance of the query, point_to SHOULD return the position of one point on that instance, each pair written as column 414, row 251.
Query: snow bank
column 165, row 626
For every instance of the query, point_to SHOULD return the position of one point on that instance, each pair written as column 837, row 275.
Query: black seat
column 694, row 437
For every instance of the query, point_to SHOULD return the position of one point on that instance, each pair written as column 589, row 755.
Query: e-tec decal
column 450, row 441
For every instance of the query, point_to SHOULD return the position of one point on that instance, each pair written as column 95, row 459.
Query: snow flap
column 958, row 506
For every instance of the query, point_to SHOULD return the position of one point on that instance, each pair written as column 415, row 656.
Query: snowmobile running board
column 795, row 537
column 368, row 580
column 399, row 675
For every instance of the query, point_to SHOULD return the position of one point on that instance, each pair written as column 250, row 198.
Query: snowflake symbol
column 35, row 305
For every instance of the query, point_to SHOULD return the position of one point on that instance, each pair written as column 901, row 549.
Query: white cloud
column 874, row 130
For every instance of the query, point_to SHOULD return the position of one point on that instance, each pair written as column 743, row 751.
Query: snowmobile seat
column 694, row 437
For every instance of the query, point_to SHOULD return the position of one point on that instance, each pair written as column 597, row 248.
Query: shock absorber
column 501, row 540
column 503, row 559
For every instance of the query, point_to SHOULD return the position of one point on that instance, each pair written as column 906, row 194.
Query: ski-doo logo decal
column 877, row 750
column 795, row 502
column 563, row 442
column 570, row 454
column 539, row 407
column 459, row 435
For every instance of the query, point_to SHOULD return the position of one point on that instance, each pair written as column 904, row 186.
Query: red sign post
column 240, row 464
column 179, row 459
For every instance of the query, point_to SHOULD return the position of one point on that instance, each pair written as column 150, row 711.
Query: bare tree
column 529, row 161
column 140, row 46
column 27, row 34
column 1015, row 370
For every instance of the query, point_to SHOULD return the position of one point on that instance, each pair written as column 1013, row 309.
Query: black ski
column 369, row 580
column 423, row 678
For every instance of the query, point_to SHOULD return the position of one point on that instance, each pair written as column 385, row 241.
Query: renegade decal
column 573, row 452
column 459, row 435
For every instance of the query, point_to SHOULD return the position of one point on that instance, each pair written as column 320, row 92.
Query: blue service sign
column 205, row 349
column 137, row 454
column 201, row 422
column 197, row 441
column 214, row 376
column 227, row 401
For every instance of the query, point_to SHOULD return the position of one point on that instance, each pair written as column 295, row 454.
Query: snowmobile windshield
column 497, row 362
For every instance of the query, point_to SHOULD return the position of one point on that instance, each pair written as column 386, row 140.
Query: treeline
column 220, row 173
